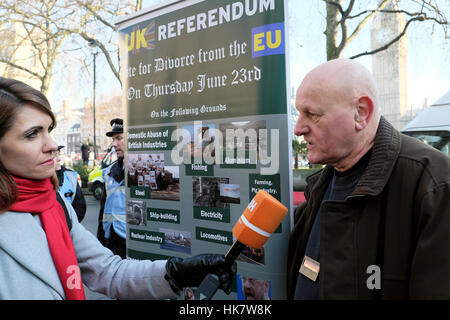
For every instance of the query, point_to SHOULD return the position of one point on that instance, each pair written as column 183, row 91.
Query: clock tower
column 389, row 66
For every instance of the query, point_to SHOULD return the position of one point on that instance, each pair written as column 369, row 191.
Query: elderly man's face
column 255, row 289
column 326, row 121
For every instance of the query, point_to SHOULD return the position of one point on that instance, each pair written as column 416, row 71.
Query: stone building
column 389, row 66
column 105, row 110
column 21, row 52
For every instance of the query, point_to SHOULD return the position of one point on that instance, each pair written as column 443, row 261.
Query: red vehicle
column 299, row 198
column 299, row 183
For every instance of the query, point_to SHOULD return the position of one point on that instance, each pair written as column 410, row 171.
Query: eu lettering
column 268, row 40
column 258, row 42
column 261, row 38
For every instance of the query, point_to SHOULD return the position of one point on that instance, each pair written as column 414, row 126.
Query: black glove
column 190, row 272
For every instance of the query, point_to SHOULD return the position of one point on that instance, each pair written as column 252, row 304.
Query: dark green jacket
column 397, row 218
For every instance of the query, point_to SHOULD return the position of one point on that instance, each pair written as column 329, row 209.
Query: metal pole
column 93, row 108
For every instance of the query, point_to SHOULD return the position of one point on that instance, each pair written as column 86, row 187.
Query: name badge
column 310, row 268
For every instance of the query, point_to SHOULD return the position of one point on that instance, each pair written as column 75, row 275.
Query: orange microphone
column 259, row 220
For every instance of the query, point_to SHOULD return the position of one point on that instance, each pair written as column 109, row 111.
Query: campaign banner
column 207, row 125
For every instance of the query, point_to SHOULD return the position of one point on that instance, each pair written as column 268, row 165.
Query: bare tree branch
column 12, row 64
column 394, row 40
column 105, row 52
column 337, row 5
column 338, row 18
column 88, row 6
column 47, row 24
column 363, row 22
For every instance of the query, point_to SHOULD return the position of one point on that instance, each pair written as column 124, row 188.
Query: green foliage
column 83, row 171
column 299, row 148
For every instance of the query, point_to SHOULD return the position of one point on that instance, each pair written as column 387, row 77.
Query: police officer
column 111, row 229
column 69, row 187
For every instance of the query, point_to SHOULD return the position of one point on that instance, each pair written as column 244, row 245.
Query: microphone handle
column 234, row 251
column 209, row 285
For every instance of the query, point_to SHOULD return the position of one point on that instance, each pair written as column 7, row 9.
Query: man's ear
column 364, row 112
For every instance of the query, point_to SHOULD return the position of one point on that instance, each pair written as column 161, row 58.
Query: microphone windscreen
column 259, row 220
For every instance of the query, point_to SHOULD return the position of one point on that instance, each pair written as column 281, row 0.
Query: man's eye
column 313, row 116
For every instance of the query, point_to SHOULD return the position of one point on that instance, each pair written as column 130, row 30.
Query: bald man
column 376, row 221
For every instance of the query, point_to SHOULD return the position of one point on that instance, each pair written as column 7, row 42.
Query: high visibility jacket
column 69, row 186
column 114, row 214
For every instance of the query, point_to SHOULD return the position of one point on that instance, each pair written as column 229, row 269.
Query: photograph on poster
column 252, row 255
column 253, row 289
column 189, row 294
column 176, row 240
column 149, row 170
column 201, row 136
column 214, row 192
column 243, row 136
column 136, row 213
column 230, row 193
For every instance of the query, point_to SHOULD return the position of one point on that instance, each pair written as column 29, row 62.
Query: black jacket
column 85, row 151
column 397, row 218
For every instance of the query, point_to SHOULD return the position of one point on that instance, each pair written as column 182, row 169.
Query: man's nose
column 300, row 127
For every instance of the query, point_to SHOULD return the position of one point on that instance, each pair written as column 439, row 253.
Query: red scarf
column 39, row 196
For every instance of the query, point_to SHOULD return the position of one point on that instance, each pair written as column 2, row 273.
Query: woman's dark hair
column 14, row 95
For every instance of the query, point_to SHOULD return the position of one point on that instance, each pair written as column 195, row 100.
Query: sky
column 427, row 66
column 428, row 55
